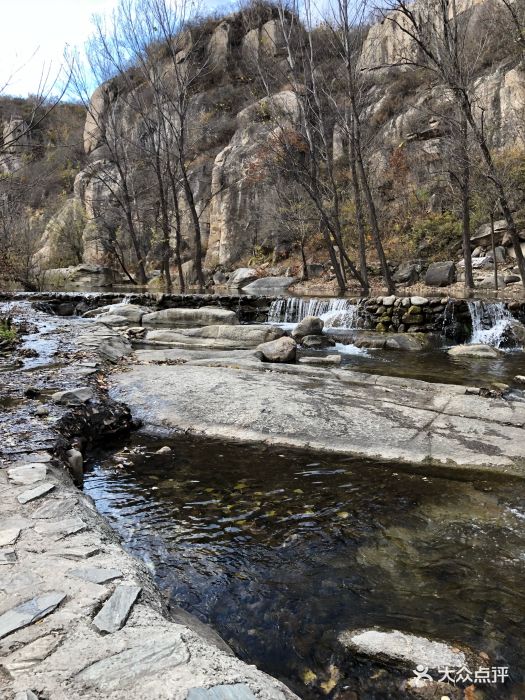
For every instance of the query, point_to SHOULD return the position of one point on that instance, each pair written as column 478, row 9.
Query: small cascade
column 336, row 313
column 492, row 323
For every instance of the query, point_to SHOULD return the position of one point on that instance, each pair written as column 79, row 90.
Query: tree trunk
column 465, row 205
column 360, row 223
column 196, row 227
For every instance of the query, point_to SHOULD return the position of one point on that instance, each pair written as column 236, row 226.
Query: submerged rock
column 483, row 351
column 282, row 350
column 317, row 342
column 399, row 647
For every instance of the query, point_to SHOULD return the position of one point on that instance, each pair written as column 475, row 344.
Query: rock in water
column 317, row 342
column 310, row 325
column 396, row 646
column 281, row 350
column 482, row 351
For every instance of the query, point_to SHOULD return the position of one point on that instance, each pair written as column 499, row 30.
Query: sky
column 34, row 33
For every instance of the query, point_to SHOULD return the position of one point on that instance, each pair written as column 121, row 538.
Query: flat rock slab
column 401, row 647
column 9, row 536
column 73, row 397
column 37, row 492
column 237, row 691
column 28, row 474
column 189, row 318
column 32, row 654
column 26, row 695
column 29, row 612
column 154, row 656
column 94, row 575
column 61, row 528
column 116, row 610
column 332, row 410
column 76, row 553
column 56, row 508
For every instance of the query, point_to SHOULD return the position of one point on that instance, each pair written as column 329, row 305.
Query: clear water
column 281, row 552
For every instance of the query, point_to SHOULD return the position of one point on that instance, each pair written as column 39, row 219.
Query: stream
column 282, row 552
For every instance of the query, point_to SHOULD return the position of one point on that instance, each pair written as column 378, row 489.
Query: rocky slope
column 232, row 122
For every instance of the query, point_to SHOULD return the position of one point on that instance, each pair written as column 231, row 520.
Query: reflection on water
column 281, row 552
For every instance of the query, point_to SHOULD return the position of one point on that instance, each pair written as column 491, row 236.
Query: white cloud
column 34, row 34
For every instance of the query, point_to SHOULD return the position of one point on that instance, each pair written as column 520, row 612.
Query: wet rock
column 432, row 690
column 151, row 658
column 328, row 360
column 76, row 463
column 477, row 350
column 441, row 274
column 94, row 575
column 317, row 342
column 35, row 493
column 399, row 647
column 29, row 612
column 281, row 350
column 241, row 277
column 520, row 379
column 116, row 610
column 311, row 325
column 270, row 285
column 26, row 475
column 190, row 318
column 164, row 450
column 73, row 397
column 238, row 691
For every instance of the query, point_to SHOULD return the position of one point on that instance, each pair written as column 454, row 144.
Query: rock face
column 237, row 202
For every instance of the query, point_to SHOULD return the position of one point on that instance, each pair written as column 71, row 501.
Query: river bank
column 135, row 363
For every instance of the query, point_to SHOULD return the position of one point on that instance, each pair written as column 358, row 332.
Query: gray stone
column 314, row 270
column 388, row 301
column 328, row 360
column 130, row 312
column 190, row 318
column 9, row 536
column 271, row 285
column 106, row 342
column 116, row 610
column 26, row 695
column 35, row 493
column 164, row 450
column 241, row 277
column 30, row 655
column 511, row 279
column 317, row 342
column 42, row 411
column 76, row 463
column 311, row 325
column 114, row 321
column 94, row 575
column 475, row 350
column 489, row 282
column 27, row 475
column 219, row 278
column 73, row 397
column 237, row 691
column 281, row 350
column 419, row 301
column 406, row 273
column 61, row 528
column 29, row 612
column 216, row 337
column 77, row 553
column 56, row 508
column 410, row 649
column 520, row 379
column 440, row 274
column 157, row 654
column 8, row 557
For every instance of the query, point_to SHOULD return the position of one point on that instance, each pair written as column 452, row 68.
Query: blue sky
column 34, row 33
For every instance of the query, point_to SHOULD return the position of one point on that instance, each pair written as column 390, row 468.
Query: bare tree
column 433, row 30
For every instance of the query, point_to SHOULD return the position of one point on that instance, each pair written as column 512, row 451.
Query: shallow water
column 281, row 552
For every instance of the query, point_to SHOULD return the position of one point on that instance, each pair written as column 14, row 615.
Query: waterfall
column 336, row 313
column 492, row 323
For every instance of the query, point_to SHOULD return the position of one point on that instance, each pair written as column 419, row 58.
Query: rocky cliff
column 231, row 122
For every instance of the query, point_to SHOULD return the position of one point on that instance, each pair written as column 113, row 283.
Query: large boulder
column 214, row 337
column 189, row 318
column 270, row 285
column 132, row 313
column 406, row 273
column 241, row 277
column 86, row 276
column 310, row 325
column 441, row 274
column 282, row 350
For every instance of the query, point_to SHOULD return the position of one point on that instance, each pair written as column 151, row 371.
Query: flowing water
column 492, row 323
column 282, row 552
column 336, row 313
